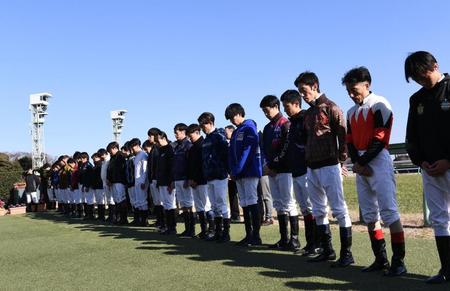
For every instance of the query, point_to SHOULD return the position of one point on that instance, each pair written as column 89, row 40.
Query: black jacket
column 165, row 161
column 195, row 171
column 428, row 128
column 31, row 183
column 86, row 174
column 153, row 162
column 294, row 151
column 116, row 169
column 96, row 180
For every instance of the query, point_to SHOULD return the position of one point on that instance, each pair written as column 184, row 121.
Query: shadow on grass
column 301, row 274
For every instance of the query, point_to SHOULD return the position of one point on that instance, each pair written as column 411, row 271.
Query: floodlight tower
column 117, row 117
column 38, row 108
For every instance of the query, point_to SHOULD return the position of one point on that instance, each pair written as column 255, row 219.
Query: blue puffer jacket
column 244, row 156
column 215, row 155
column 180, row 150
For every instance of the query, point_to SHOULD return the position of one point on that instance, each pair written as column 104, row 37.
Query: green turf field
column 48, row 252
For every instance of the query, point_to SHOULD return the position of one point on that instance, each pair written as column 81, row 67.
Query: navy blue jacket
column 129, row 171
column 180, row 159
column 244, row 157
column 85, row 172
column 295, row 149
column 215, row 155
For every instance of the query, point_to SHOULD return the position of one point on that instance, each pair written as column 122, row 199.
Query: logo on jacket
column 420, row 109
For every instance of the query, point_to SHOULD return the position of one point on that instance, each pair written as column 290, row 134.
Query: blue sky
column 168, row 61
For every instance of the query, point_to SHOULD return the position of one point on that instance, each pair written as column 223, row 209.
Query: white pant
column 140, row 197
column 65, row 196
column 218, row 192
column 168, row 198
column 326, row 184
column 156, row 196
column 89, row 197
column 132, row 195
column 118, row 192
column 184, row 195
column 100, row 197
column 437, row 194
column 76, row 196
column 201, row 199
column 302, row 194
column 377, row 193
column 281, row 190
column 32, row 197
column 247, row 189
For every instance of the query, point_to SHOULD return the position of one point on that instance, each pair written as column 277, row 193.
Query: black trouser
column 233, row 197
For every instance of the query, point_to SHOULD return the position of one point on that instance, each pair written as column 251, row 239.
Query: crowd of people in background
column 294, row 165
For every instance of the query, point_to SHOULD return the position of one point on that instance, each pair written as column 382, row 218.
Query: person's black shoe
column 308, row 251
column 245, row 242
column 343, row 261
column 324, row 256
column 279, row 245
column 376, row 266
column 440, row 278
column 397, row 269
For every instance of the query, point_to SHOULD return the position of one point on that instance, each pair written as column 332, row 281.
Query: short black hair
column 95, row 155
column 206, row 117
column 71, row 161
column 193, row 128
column 102, row 152
column 163, row 134
column 357, row 75
column 134, row 142
column 291, row 96
column 234, row 109
column 180, row 127
column 146, row 144
column 307, row 78
column 112, row 145
column 269, row 101
column 76, row 155
column 230, row 126
column 418, row 63
column 153, row 131
column 84, row 155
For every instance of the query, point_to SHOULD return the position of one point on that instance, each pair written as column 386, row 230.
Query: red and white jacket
column 368, row 128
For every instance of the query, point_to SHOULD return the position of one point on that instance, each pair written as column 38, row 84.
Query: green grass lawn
column 409, row 193
column 47, row 252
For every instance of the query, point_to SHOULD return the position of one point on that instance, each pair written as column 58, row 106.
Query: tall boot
column 283, row 227
column 158, row 215
column 86, row 210
column 203, row 225
column 191, row 224
column 101, row 212
column 218, row 221
column 173, row 220
column 85, row 207
column 186, row 224
column 443, row 247
column 211, row 226
column 328, row 252
column 312, row 243
column 143, row 217
column 123, row 212
column 136, row 217
column 397, row 267
column 166, row 222
column 345, row 256
column 294, row 243
column 255, row 213
column 111, row 213
column 79, row 210
column 226, row 231
column 248, row 228
column 379, row 250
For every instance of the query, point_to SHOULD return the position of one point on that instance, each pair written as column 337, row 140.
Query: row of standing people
column 305, row 157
